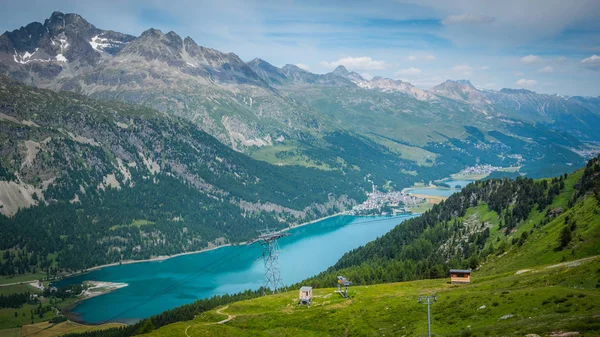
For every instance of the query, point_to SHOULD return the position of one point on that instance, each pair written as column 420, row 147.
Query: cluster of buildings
column 587, row 153
column 386, row 203
column 480, row 169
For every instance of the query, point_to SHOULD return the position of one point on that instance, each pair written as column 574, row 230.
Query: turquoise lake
column 309, row 250
column 441, row 192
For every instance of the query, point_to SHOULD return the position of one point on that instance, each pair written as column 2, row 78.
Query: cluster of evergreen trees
column 63, row 292
column 589, row 181
column 429, row 245
column 14, row 300
column 20, row 261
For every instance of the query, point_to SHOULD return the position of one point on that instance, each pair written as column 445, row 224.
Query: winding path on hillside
column 229, row 316
column 219, row 311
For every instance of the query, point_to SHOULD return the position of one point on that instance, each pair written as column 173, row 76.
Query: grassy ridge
column 545, row 299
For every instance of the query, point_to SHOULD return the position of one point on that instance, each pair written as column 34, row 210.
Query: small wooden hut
column 460, row 276
column 306, row 295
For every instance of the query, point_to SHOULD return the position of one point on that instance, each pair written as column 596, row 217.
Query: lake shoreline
column 104, row 287
column 72, row 312
column 315, row 221
column 166, row 257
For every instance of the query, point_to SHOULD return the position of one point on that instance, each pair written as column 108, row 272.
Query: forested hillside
column 83, row 183
column 482, row 223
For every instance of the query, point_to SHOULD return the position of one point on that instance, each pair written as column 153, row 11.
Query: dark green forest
column 410, row 251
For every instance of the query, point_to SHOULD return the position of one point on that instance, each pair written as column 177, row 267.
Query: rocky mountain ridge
column 290, row 116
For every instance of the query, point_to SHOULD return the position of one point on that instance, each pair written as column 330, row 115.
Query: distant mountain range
column 339, row 121
column 244, row 104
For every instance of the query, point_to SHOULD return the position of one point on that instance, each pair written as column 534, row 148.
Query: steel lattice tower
column 268, row 240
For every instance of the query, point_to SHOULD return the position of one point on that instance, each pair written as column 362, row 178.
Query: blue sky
column 547, row 46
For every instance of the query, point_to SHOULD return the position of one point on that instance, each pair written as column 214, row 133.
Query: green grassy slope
column 524, row 284
column 546, row 299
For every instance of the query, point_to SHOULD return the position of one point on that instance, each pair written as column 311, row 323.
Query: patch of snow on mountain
column 101, row 43
column 23, row 59
column 96, row 41
column 27, row 57
column 64, row 44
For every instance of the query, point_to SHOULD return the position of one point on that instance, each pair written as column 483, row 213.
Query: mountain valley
column 83, row 154
column 219, row 168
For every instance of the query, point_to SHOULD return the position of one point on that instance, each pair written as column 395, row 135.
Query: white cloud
column 529, row 59
column 592, row 62
column 484, row 68
column 466, row 18
column 562, row 59
column 409, row 72
column 518, row 74
column 302, row 66
column 463, row 70
column 526, row 83
column 366, row 76
column 425, row 57
column 546, row 70
column 356, row 63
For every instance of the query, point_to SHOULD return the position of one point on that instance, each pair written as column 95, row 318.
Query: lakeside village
column 480, row 170
column 399, row 203
column 387, row 203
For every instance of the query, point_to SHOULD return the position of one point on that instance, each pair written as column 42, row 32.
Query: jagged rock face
column 524, row 104
column 155, row 45
column 383, row 84
column 217, row 91
column 299, row 75
column 40, row 52
column 461, row 90
column 267, row 72
column 67, row 41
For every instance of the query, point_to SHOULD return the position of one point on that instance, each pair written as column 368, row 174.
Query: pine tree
column 565, row 236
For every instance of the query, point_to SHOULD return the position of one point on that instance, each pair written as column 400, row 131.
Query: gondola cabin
column 306, row 295
column 460, row 276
